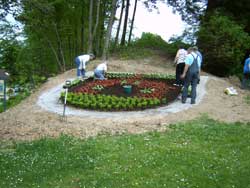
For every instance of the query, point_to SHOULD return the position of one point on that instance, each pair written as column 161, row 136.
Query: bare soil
column 28, row 121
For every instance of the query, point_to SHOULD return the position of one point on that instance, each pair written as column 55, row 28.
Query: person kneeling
column 100, row 71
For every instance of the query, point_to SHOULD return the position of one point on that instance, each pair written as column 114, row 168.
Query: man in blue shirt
column 191, row 74
column 196, row 50
column 246, row 74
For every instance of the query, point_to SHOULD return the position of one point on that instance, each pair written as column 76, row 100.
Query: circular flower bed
column 123, row 92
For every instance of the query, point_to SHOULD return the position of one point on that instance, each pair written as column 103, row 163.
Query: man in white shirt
column 100, row 71
column 81, row 62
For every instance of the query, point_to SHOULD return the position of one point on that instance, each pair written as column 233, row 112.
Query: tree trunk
column 59, row 42
column 100, row 33
column 96, row 25
column 90, row 46
column 125, row 24
column 132, row 22
column 82, row 32
column 54, row 52
column 109, row 30
column 97, row 18
column 119, row 25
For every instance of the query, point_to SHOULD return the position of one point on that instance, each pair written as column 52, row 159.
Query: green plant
column 98, row 87
column 123, row 82
column 164, row 101
column 147, row 90
column 137, row 82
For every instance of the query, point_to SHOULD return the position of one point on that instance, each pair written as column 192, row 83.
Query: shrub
column 142, row 47
column 223, row 43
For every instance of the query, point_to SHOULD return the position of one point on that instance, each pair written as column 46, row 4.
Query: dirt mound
column 28, row 121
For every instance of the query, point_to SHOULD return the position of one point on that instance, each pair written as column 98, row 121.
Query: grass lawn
column 201, row 153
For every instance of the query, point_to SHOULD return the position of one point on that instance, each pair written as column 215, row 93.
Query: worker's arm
column 176, row 57
column 185, row 71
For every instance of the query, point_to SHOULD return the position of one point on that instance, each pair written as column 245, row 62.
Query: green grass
column 200, row 153
column 127, row 53
column 13, row 101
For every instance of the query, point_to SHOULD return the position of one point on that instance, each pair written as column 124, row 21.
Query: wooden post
column 3, row 77
column 4, row 95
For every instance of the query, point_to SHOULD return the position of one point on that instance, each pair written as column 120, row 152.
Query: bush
column 223, row 43
column 142, row 47
column 152, row 41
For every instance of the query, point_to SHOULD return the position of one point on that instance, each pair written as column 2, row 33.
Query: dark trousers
column 178, row 73
column 191, row 78
column 245, row 81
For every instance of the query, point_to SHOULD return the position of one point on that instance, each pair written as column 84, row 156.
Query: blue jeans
column 191, row 78
column 99, row 74
column 245, row 81
column 79, row 72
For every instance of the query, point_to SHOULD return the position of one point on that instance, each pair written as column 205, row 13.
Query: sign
column 1, row 88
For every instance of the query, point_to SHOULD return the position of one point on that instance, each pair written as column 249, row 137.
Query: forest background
column 56, row 31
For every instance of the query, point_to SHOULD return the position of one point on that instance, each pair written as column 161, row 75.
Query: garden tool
column 65, row 87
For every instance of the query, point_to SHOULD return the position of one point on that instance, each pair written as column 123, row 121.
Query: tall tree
column 90, row 44
column 124, row 32
column 190, row 10
column 8, row 7
column 109, row 30
column 132, row 22
column 100, row 29
column 97, row 18
column 119, row 24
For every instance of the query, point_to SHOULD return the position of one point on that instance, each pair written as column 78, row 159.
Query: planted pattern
column 148, row 91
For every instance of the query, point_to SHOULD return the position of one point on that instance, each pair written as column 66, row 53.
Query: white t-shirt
column 102, row 67
column 83, row 60
column 181, row 55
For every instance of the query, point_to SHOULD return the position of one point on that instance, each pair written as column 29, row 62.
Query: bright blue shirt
column 199, row 54
column 247, row 66
column 190, row 59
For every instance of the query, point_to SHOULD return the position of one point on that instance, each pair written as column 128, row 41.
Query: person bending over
column 81, row 62
column 100, row 71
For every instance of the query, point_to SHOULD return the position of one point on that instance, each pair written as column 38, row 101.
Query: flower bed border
column 101, row 102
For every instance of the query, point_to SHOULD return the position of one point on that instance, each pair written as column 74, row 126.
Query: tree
column 119, row 25
column 90, row 46
column 8, row 7
column 190, row 10
column 9, row 50
column 132, row 22
column 224, row 44
column 123, row 39
column 109, row 30
column 232, row 9
column 97, row 18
